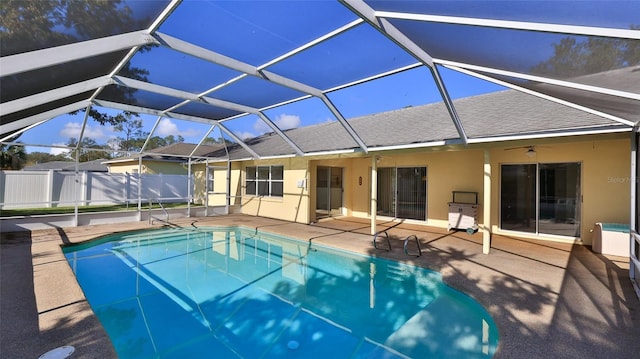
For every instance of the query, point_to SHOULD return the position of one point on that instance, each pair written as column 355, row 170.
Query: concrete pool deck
column 548, row 299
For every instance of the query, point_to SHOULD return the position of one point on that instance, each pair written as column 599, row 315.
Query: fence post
column 50, row 189
column 126, row 183
column 86, row 187
column 3, row 185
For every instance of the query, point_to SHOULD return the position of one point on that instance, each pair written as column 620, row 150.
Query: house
column 540, row 169
column 170, row 159
column 91, row 166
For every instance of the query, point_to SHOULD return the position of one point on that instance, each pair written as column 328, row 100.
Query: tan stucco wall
column 218, row 196
column 604, row 164
column 126, row 167
column 199, row 185
column 149, row 167
column 446, row 172
column 168, row 168
column 292, row 206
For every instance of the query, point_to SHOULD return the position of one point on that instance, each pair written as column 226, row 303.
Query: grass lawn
column 85, row 209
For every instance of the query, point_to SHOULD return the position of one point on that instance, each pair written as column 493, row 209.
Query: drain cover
column 58, row 353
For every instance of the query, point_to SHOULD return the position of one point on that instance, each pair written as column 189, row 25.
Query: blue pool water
column 235, row 293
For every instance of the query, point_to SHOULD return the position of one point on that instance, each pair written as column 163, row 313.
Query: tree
column 89, row 149
column 43, row 157
column 28, row 25
column 157, row 141
column 134, row 136
column 12, row 157
column 573, row 58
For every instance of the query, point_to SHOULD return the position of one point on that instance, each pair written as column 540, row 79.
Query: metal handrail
column 406, row 242
column 375, row 237
column 161, row 206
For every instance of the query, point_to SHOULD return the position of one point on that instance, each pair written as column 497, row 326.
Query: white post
column 78, row 186
column 86, row 187
column 633, row 225
column 486, row 221
column 228, row 184
column 50, row 189
column 140, row 187
column 374, row 193
column 189, row 190
column 126, row 188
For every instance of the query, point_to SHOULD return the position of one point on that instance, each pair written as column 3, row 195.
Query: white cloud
column 284, row 122
column 167, row 127
column 245, row 135
column 59, row 151
column 72, row 130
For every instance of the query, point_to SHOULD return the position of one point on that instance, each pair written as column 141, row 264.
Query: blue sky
column 411, row 88
column 250, row 32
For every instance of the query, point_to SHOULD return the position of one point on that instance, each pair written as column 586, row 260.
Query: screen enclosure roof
column 220, row 64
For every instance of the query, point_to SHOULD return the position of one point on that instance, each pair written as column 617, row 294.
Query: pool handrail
column 375, row 237
column 406, row 242
column 151, row 218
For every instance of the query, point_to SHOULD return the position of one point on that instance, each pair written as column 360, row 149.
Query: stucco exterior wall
column 217, row 197
column 605, row 176
column 125, row 167
column 292, row 206
column 447, row 171
column 200, row 183
column 168, row 168
column 605, row 166
column 149, row 167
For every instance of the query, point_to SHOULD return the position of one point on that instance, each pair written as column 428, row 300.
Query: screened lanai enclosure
column 119, row 81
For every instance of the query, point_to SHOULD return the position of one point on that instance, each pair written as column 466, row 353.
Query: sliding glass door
column 541, row 198
column 329, row 191
column 402, row 192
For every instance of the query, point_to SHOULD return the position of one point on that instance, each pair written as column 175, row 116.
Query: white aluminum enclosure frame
column 366, row 15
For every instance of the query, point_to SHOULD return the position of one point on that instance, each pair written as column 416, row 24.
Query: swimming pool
column 238, row 293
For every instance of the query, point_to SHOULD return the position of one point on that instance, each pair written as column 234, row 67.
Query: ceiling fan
column 531, row 150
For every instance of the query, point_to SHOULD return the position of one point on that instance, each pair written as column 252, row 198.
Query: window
column 265, row 181
column 210, row 177
column 541, row 198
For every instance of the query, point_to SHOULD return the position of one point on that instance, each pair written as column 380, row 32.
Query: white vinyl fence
column 32, row 189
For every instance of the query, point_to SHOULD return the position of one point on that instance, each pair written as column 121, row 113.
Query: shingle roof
column 173, row 152
column 92, row 166
column 504, row 113
column 185, row 149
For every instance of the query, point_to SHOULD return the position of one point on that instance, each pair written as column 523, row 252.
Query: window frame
column 536, row 229
column 264, row 181
column 210, row 181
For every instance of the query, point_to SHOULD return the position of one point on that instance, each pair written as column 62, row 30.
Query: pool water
column 235, row 293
